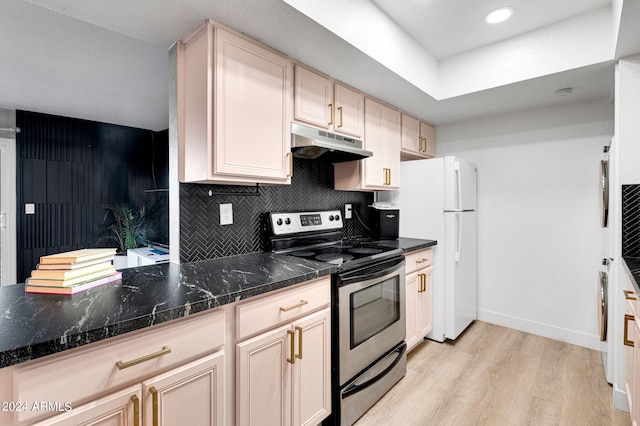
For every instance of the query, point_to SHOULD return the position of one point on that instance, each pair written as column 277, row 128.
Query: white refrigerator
column 437, row 201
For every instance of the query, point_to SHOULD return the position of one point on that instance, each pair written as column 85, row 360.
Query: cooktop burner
column 366, row 250
column 335, row 258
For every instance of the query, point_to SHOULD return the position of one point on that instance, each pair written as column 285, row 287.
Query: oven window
column 373, row 309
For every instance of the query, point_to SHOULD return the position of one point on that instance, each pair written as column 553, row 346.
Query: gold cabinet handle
column 629, row 295
column 419, row 283
column 422, row 147
column 299, row 330
column 164, row 351
column 290, row 157
column 424, row 282
column 387, row 176
column 297, row 305
column 626, row 340
column 154, row 402
column 136, row 410
column 331, row 114
column 340, row 111
column 292, row 335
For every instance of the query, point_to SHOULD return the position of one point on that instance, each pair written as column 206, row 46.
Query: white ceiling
column 106, row 60
column 447, row 28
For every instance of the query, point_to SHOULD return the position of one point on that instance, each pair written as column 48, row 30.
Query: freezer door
column 460, row 184
column 460, row 280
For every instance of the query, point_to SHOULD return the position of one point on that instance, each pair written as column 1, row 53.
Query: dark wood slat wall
column 72, row 169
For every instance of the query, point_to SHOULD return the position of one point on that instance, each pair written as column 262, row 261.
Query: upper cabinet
column 326, row 104
column 418, row 139
column 234, row 110
column 382, row 137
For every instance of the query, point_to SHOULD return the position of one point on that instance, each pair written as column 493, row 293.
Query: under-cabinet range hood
column 311, row 143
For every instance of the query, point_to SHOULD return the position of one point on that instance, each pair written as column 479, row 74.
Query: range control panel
column 299, row 222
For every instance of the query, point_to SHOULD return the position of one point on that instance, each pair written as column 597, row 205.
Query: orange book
column 76, row 256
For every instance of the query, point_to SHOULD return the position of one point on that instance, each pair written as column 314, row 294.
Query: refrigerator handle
column 456, row 254
column 456, row 168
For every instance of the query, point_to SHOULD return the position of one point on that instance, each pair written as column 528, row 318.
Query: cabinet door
column 263, row 379
column 252, row 109
column 411, row 135
column 117, row 409
column 428, row 133
column 349, row 111
column 189, row 395
column 382, row 137
column 425, row 311
column 313, row 98
column 412, row 294
column 311, row 387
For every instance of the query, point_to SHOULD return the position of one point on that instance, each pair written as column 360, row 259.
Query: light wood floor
column 493, row 375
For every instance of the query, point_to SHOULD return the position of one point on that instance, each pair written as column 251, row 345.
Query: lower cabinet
column 419, row 282
column 189, row 395
column 631, row 341
column 284, row 374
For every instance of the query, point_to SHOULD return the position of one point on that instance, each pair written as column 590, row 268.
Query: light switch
column 29, row 208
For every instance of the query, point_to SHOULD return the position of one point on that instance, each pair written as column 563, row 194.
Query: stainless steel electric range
column 368, row 306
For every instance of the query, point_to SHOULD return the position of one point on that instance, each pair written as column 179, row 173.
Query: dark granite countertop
column 633, row 269
column 407, row 244
column 36, row 325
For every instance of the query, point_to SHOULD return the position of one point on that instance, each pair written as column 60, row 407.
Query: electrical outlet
column 347, row 211
column 226, row 214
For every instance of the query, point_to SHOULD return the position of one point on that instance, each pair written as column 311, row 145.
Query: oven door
column 371, row 314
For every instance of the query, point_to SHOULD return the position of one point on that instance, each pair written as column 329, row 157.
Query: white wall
column 539, row 240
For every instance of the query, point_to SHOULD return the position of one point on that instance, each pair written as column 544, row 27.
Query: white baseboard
column 590, row 341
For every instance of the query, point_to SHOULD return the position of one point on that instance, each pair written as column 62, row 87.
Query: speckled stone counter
column 36, row 325
column 633, row 270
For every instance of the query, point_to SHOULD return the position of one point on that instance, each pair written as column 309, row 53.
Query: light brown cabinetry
column 164, row 370
column 283, row 374
column 418, row 139
column 382, row 137
column 419, row 282
column 234, row 109
column 330, row 105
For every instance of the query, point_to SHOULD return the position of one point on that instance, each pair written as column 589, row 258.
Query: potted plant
column 124, row 225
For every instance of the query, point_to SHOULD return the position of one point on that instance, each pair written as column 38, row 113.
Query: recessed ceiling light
column 561, row 93
column 499, row 15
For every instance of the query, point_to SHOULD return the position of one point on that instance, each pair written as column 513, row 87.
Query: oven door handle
column 355, row 387
column 371, row 272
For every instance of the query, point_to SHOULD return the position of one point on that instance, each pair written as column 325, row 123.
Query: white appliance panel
column 461, row 293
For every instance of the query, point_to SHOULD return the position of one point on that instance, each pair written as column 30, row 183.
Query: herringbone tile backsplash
column 202, row 236
column 631, row 220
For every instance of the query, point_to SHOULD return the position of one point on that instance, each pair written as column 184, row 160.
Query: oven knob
column 279, row 222
column 331, row 218
column 287, row 221
column 337, row 217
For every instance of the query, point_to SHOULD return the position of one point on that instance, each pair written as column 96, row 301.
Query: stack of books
column 73, row 271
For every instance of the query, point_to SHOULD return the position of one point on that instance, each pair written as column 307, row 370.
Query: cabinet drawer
column 418, row 260
column 78, row 376
column 268, row 312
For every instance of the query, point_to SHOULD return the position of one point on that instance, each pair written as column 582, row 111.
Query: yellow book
column 76, row 265
column 75, row 256
column 54, row 274
column 71, row 281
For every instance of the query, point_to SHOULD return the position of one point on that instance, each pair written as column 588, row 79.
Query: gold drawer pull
column 155, row 413
column 627, row 294
column 164, row 351
column 626, row 340
column 297, row 305
column 136, row 410
column 299, row 330
column 422, row 260
column 292, row 337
